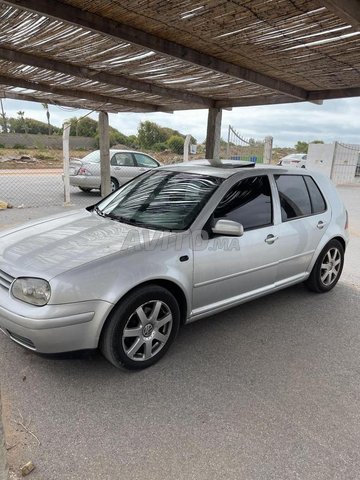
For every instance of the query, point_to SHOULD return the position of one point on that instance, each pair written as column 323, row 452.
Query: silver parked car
column 172, row 246
column 124, row 166
column 297, row 160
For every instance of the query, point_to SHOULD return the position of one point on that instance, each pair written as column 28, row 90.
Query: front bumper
column 56, row 328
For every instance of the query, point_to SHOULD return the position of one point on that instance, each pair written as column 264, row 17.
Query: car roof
column 117, row 150
column 227, row 168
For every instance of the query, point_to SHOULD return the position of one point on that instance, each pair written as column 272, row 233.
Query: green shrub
column 176, row 144
column 19, row 146
column 159, row 147
column 2, row 145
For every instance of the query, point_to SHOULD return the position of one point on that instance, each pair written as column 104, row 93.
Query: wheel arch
column 173, row 288
column 341, row 240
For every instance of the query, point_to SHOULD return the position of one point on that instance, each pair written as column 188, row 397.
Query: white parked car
column 297, row 160
column 174, row 245
column 124, row 166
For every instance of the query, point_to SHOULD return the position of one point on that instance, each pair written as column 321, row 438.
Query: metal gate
column 346, row 164
column 239, row 148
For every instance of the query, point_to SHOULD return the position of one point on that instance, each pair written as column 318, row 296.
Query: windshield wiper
column 98, row 211
column 102, row 214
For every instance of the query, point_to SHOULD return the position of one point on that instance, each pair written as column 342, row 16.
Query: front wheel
column 114, row 184
column 141, row 328
column 327, row 269
column 86, row 190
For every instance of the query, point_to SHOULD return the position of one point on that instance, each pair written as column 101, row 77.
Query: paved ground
column 269, row 390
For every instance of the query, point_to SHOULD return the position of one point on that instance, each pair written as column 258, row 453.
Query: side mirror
column 228, row 227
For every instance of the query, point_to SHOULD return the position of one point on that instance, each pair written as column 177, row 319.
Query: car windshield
column 162, row 200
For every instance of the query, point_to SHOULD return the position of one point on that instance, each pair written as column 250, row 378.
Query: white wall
column 320, row 157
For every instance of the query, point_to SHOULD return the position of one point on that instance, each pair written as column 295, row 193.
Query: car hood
column 51, row 246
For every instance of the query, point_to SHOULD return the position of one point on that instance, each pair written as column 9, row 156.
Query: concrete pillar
column 104, row 153
column 268, row 144
column 66, row 162
column 186, row 148
column 213, row 134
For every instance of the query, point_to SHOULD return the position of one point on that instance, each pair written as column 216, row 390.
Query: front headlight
column 31, row 290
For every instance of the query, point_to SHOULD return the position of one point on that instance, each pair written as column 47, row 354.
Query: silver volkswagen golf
column 171, row 246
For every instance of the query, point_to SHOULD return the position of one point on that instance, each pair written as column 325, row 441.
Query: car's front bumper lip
column 61, row 333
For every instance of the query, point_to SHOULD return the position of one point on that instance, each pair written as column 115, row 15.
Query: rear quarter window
column 318, row 204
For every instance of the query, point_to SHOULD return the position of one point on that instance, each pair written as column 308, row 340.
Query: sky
column 334, row 120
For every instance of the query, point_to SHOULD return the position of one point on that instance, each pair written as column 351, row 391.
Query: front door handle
column 270, row 239
column 320, row 225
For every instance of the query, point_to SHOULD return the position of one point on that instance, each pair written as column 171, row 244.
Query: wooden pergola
column 166, row 55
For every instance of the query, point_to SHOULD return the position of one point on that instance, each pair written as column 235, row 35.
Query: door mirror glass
column 228, row 227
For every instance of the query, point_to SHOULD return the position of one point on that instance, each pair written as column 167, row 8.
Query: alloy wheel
column 330, row 266
column 147, row 330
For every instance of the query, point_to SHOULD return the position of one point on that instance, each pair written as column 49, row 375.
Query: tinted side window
column 294, row 196
column 122, row 160
column 145, row 161
column 248, row 202
column 317, row 200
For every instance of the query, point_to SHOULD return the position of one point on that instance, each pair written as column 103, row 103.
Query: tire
column 86, row 190
column 146, row 339
column 327, row 269
column 114, row 184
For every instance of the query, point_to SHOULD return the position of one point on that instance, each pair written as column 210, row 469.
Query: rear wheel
column 86, row 190
column 327, row 269
column 141, row 328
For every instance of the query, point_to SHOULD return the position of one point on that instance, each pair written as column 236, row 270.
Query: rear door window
column 248, row 202
column 294, row 196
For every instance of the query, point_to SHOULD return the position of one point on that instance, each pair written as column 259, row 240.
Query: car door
column 304, row 220
column 227, row 269
column 123, row 167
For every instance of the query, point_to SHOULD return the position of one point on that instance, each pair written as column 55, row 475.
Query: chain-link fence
column 31, row 177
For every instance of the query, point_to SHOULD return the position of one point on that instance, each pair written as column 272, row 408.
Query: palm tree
column 22, row 119
column 46, row 106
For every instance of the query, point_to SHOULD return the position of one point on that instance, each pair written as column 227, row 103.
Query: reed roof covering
column 165, row 55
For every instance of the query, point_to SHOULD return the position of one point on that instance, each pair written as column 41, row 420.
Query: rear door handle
column 270, row 239
column 321, row 224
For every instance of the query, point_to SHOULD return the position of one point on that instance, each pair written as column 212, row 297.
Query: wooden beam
column 100, row 76
column 80, row 94
column 257, row 100
column 334, row 93
column 7, row 94
column 347, row 10
column 314, row 96
column 67, row 13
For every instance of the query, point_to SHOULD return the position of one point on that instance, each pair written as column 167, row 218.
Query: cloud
column 334, row 120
